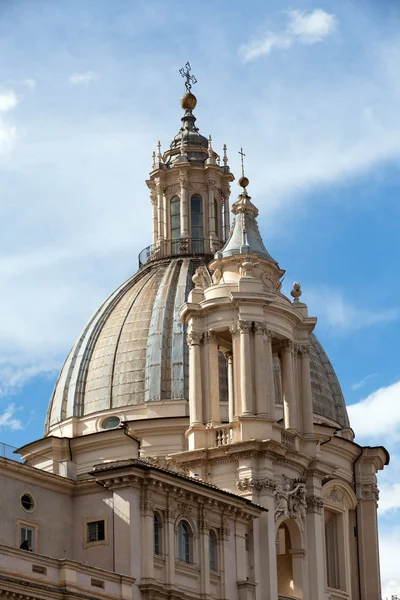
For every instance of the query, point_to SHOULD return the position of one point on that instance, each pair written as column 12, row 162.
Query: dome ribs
column 124, row 362
column 158, row 355
column 179, row 351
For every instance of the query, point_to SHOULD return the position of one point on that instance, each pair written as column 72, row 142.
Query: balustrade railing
column 179, row 247
column 225, row 434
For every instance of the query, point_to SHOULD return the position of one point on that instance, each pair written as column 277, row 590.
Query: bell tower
column 189, row 191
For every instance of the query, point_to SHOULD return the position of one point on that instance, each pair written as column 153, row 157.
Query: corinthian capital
column 193, row 338
column 244, row 326
column 183, row 182
column 210, row 183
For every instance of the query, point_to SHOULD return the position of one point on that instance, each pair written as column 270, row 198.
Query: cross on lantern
column 190, row 79
column 242, row 154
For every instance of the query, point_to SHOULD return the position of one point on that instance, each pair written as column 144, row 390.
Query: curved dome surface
column 133, row 351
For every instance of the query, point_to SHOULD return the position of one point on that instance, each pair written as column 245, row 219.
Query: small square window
column 95, row 532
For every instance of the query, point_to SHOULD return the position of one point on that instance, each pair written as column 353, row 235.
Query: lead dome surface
column 133, row 351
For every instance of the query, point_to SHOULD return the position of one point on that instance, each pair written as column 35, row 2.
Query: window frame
column 22, row 524
column 157, row 516
column 28, row 510
column 213, row 565
column 86, row 542
column 189, row 544
column 175, row 244
column 197, row 242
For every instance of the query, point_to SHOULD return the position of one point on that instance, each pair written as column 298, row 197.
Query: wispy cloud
column 8, row 136
column 8, row 100
column 302, row 27
column 341, row 315
column 8, row 419
column 359, row 384
column 82, row 78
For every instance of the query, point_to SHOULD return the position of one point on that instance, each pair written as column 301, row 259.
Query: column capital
column 244, row 326
column 288, row 345
column 259, row 327
column 369, row 491
column 194, row 338
column 229, row 355
column 314, row 504
column 209, row 336
column 303, row 349
column 210, row 183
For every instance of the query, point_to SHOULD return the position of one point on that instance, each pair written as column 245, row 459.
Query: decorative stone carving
column 290, row 499
column 244, row 326
column 224, row 531
column 303, row 349
column 259, row 327
column 184, row 245
column 184, row 508
column 210, row 183
column 314, row 504
column 153, row 197
column 335, row 495
column 258, row 485
column 369, row 491
column 183, row 182
column 198, row 278
column 269, row 280
column 194, row 338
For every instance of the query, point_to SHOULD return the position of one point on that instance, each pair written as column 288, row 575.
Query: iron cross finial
column 242, row 154
column 190, row 79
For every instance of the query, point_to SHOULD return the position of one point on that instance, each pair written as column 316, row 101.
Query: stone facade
column 197, row 442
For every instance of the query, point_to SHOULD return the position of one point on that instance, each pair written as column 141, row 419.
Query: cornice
column 26, row 473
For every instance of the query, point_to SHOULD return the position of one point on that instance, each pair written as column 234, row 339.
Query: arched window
column 157, row 534
column 212, row 551
column 196, row 215
column 184, row 542
column 175, row 222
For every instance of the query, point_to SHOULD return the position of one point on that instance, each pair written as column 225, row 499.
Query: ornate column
column 165, row 213
column 184, row 207
column 369, row 462
column 153, row 197
column 227, row 225
column 245, row 368
column 315, row 538
column 213, row 375
column 195, row 379
column 269, row 368
column 306, row 390
column 289, row 406
column 161, row 223
column 237, row 403
column 147, row 516
column 231, row 408
column 261, row 381
column 170, row 516
column 204, row 530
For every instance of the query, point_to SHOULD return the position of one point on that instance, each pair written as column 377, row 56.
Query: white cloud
column 29, row 83
column 8, row 100
column 358, row 384
column 340, row 315
column 303, row 27
column 377, row 416
column 82, row 78
column 8, row 420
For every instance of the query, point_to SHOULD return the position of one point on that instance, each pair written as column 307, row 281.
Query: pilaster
column 245, row 369
column 289, row 400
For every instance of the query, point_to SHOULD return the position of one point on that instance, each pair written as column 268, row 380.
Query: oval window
column 27, row 502
column 111, row 422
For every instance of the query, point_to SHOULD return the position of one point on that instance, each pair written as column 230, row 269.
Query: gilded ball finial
column 243, row 181
column 188, row 101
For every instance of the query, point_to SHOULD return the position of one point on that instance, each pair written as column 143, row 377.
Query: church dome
column 133, row 352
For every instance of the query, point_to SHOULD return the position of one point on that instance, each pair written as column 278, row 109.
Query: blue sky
column 310, row 90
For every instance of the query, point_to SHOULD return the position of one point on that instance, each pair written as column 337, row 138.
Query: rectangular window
column 95, row 532
column 27, row 538
column 332, row 550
